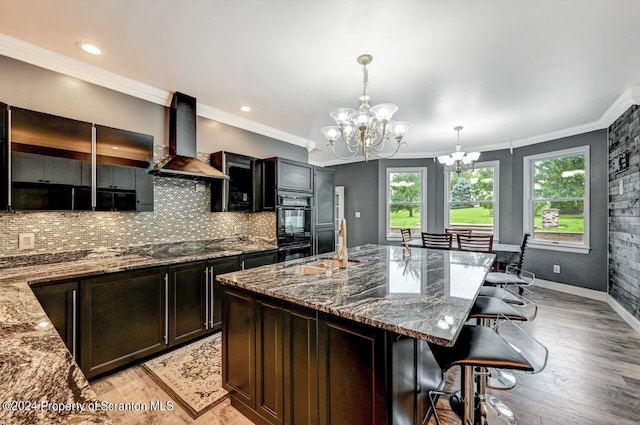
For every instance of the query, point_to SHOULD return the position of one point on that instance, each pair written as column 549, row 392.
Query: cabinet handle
column 166, row 308
column 242, row 265
column 74, row 296
column 206, row 298
column 212, row 299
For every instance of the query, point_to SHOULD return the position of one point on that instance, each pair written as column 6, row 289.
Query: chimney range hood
column 182, row 160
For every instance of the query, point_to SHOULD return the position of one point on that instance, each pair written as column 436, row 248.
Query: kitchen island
column 305, row 346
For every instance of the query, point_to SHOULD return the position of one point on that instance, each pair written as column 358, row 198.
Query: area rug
column 191, row 375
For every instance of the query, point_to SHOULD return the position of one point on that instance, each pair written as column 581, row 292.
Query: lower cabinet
column 60, row 301
column 188, row 300
column 325, row 240
column 124, row 317
column 216, row 267
column 257, row 259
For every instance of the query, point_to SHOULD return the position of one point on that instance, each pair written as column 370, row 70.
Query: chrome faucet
column 341, row 247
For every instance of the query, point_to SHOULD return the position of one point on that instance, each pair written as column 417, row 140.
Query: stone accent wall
column 181, row 213
column 624, row 212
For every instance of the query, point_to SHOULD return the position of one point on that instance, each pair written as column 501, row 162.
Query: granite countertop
column 426, row 295
column 35, row 365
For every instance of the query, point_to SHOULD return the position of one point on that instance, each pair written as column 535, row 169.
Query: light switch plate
column 201, row 187
column 357, row 214
column 237, row 230
column 26, row 241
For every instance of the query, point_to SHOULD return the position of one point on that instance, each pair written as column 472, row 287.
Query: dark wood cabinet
column 257, row 259
column 284, row 175
column 269, row 402
column 188, row 301
column 60, row 301
column 124, row 317
column 243, row 190
column 300, row 366
column 348, row 349
column 5, row 178
column 325, row 240
column 216, row 267
column 324, row 197
column 238, row 346
column 324, row 211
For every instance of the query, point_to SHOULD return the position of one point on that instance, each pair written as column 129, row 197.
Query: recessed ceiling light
column 245, row 109
column 89, row 48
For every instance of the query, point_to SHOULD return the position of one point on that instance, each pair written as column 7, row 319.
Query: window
column 556, row 199
column 471, row 199
column 406, row 197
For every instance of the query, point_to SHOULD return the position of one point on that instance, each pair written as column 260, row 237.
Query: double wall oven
column 293, row 220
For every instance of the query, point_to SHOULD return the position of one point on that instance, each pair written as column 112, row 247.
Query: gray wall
column 585, row 270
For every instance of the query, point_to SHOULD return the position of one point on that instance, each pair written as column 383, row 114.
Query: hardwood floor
column 592, row 376
column 593, row 372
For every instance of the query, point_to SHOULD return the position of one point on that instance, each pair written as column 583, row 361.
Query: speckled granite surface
column 427, row 295
column 35, row 365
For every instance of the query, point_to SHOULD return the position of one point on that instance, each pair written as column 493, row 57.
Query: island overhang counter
column 346, row 346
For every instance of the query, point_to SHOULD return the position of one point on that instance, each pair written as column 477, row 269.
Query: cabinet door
column 27, row 167
column 62, row 171
column 188, row 302
column 300, row 367
column 124, row 177
column 144, row 190
column 295, row 176
column 60, row 302
column 5, row 178
column 220, row 266
column 324, row 197
column 104, row 176
column 238, row 345
column 347, row 349
column 257, row 259
column 124, row 317
column 325, row 240
column 269, row 356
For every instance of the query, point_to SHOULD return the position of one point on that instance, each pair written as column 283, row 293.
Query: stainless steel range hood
column 182, row 160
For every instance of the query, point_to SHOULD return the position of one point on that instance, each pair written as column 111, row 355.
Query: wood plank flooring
column 592, row 376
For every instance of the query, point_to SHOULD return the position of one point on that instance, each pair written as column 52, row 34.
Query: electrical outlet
column 201, row 187
column 357, row 214
column 237, row 230
column 556, row 268
column 26, row 241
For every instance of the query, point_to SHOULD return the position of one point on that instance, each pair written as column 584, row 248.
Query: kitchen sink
column 323, row 265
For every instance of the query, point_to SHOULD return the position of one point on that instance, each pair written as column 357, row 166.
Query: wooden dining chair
column 458, row 231
column 437, row 240
column 406, row 236
column 477, row 243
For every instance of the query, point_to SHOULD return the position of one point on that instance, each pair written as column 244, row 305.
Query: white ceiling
column 508, row 71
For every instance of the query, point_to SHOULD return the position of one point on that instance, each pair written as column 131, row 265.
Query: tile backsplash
column 181, row 213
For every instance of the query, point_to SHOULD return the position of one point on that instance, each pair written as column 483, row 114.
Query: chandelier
column 367, row 128
column 459, row 161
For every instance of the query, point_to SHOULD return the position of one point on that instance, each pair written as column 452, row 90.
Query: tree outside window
column 471, row 199
column 405, row 201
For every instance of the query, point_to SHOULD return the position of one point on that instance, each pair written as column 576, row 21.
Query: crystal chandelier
column 459, row 161
column 367, row 127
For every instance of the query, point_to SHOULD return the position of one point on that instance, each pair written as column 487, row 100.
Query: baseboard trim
column 594, row 295
column 622, row 312
column 574, row 290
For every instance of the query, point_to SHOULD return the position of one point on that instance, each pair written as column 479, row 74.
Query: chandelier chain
column 365, row 80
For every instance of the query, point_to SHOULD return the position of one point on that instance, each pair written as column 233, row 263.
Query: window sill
column 550, row 246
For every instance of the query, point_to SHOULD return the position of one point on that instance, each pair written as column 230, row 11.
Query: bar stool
column 482, row 347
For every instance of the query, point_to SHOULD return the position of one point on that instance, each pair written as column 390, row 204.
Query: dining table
column 505, row 253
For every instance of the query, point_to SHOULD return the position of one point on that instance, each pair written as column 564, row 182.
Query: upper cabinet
column 51, row 166
column 285, row 175
column 47, row 155
column 243, row 190
column 4, row 157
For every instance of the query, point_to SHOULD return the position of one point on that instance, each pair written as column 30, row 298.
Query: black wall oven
column 293, row 220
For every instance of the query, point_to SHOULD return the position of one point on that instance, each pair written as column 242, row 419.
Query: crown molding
column 30, row 53
column 35, row 55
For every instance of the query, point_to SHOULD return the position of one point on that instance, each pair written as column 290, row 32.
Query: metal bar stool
column 482, row 347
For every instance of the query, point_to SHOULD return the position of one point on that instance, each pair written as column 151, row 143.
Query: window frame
column 423, row 215
column 528, row 198
column 496, row 196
